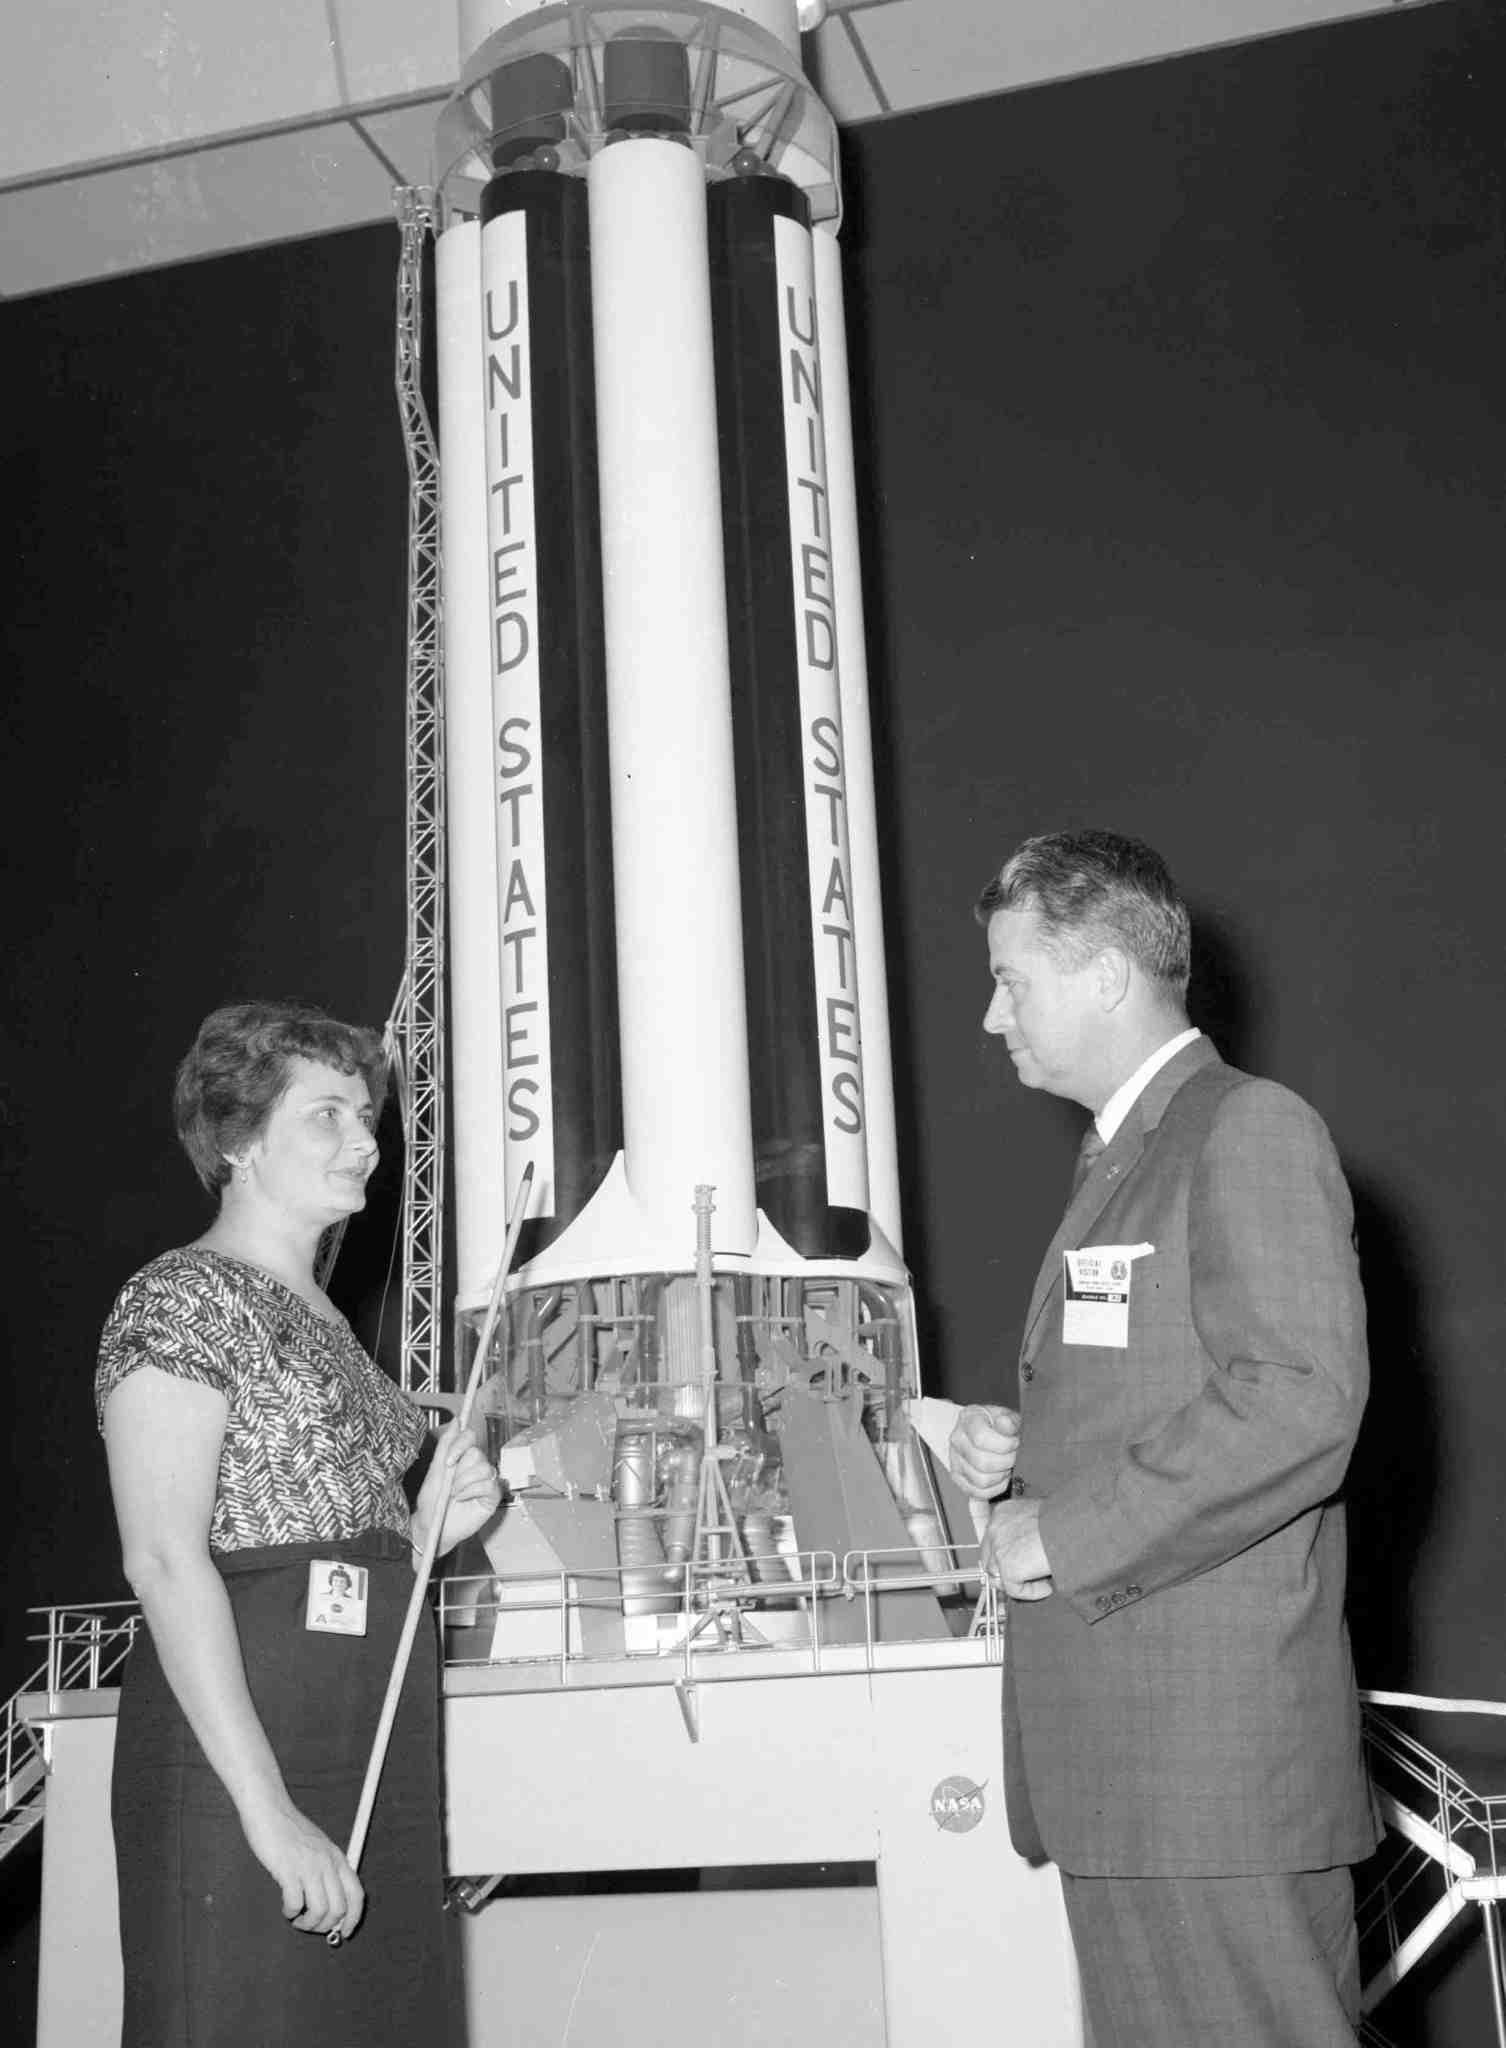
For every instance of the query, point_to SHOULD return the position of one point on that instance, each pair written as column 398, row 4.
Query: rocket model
column 667, row 975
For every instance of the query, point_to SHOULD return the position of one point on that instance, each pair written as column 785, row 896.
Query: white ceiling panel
column 151, row 131
column 405, row 137
column 200, row 204
column 386, row 49
column 82, row 83
column 930, row 52
column 834, row 61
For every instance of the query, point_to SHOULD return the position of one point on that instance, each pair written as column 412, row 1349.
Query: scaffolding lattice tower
column 418, row 1034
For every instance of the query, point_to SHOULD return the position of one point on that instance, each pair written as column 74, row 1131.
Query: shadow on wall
column 893, row 859
column 1222, row 998
column 1394, row 1474
column 1396, row 1456
column 20, row 1929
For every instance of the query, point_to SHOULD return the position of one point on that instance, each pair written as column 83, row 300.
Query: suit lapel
column 1109, row 1171
column 1084, row 1209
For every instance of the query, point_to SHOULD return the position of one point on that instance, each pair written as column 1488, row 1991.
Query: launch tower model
column 666, row 949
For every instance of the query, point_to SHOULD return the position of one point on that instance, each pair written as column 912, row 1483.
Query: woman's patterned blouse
column 317, row 1439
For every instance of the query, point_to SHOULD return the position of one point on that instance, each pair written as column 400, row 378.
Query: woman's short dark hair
column 1089, row 890
column 240, row 1065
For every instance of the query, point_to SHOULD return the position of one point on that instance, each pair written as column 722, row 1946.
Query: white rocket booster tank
column 667, row 950
column 657, row 133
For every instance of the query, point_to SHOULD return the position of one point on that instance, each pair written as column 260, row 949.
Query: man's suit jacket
column 1184, row 1702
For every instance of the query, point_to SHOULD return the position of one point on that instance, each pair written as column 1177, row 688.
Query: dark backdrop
column 1181, row 436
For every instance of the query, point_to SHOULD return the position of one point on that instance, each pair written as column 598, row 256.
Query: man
column 1182, row 1731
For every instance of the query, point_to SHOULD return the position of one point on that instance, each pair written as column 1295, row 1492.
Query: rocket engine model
column 667, row 974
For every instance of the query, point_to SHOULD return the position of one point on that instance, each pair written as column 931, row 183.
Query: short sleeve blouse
column 317, row 1438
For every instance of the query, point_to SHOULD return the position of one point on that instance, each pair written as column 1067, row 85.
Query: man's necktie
column 1087, row 1156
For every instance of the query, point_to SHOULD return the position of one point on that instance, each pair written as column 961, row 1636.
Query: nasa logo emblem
column 957, row 1805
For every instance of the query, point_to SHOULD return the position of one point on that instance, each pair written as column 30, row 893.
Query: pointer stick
column 431, row 1548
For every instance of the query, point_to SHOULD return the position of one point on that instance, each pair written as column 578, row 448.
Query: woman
column 256, row 1457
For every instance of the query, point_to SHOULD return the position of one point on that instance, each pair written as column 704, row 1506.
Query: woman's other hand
column 475, row 1490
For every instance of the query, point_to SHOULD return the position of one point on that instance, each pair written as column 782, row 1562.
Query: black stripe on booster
column 577, row 809
column 779, row 960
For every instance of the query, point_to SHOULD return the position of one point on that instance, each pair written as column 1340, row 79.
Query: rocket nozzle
column 530, row 100
column 646, row 84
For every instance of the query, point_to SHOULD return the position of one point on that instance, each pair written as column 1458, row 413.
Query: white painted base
column 678, row 1970
column 841, row 1767
column 78, row 1975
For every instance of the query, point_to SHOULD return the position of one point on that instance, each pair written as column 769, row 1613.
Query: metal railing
column 85, row 1647
column 713, row 1606
column 1449, row 1851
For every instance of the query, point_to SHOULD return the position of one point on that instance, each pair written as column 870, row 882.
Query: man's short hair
column 1089, row 890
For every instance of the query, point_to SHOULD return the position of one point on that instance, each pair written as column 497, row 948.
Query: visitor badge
column 337, row 1597
column 1096, row 1294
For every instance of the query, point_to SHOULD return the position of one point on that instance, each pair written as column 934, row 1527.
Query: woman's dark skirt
column 209, row 1960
